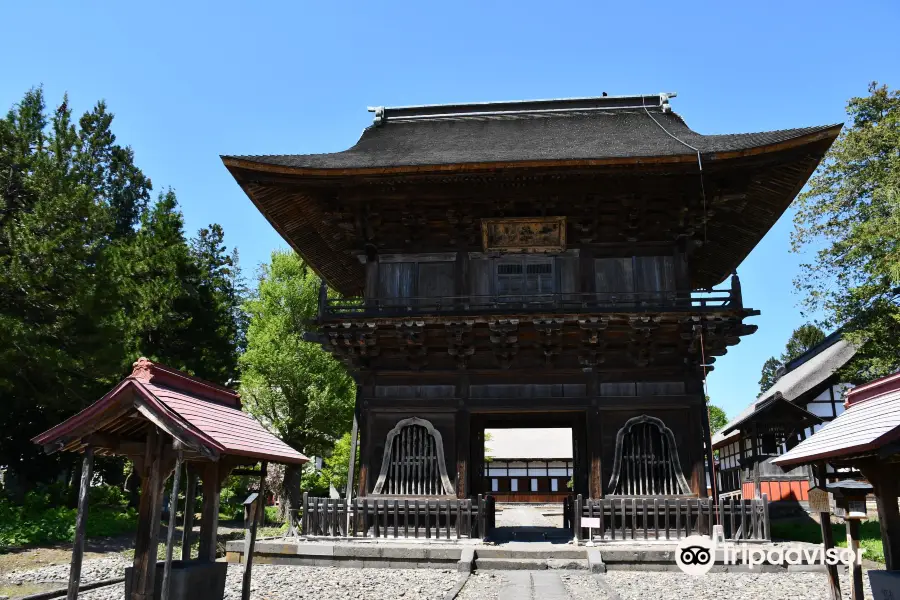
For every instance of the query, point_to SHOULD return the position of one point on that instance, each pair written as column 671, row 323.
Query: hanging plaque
column 819, row 501
column 524, row 234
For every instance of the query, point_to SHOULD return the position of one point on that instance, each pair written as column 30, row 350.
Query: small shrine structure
column 161, row 419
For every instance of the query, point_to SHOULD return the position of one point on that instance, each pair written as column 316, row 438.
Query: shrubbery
column 40, row 519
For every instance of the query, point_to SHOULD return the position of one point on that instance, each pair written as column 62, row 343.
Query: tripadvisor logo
column 695, row 555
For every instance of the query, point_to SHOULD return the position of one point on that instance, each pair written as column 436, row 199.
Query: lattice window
column 646, row 462
column 413, row 463
column 525, row 277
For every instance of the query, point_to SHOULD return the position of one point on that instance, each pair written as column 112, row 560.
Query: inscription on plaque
column 524, row 234
column 819, row 501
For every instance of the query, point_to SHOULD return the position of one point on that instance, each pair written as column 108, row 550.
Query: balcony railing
column 689, row 301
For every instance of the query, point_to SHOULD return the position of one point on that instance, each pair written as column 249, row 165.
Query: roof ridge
column 383, row 114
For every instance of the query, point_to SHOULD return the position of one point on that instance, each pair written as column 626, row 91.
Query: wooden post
column 856, row 579
column 149, row 513
column 834, row 584
column 261, row 511
column 886, row 490
column 710, row 458
column 188, row 523
column 362, row 487
column 351, row 468
column 209, row 518
column 173, row 521
column 463, row 443
column 755, row 456
column 87, row 467
column 595, row 453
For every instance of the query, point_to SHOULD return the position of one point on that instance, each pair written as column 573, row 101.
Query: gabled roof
column 775, row 412
column 865, row 427
column 612, row 127
column 803, row 374
column 203, row 416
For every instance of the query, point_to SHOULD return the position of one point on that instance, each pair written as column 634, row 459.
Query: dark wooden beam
column 188, row 524
column 209, row 518
column 149, row 512
column 259, row 516
column 884, row 480
column 87, row 466
column 834, row 583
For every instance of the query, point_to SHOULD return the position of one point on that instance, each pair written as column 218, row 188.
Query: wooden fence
column 671, row 518
column 396, row 518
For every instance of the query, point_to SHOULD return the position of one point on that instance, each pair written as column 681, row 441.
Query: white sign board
column 590, row 522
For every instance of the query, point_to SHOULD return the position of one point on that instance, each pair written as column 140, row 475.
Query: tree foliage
column 93, row 275
column 293, row 386
column 802, row 339
column 850, row 217
column 717, row 418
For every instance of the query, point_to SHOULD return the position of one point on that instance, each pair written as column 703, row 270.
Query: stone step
column 511, row 564
column 531, row 564
column 563, row 553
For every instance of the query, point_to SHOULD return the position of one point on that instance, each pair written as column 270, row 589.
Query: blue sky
column 189, row 81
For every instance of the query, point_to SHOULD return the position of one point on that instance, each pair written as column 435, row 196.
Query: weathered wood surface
column 258, row 517
column 190, row 494
column 173, row 521
column 87, row 470
column 149, row 513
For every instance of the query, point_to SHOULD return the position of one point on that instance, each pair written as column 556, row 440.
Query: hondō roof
column 206, row 418
column 870, row 423
column 532, row 130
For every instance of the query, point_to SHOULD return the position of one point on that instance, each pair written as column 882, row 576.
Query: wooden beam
column 260, row 515
column 149, row 514
column 173, row 521
column 209, row 518
column 883, row 478
column 188, row 524
column 834, row 584
column 595, row 454
column 87, row 466
column 463, row 426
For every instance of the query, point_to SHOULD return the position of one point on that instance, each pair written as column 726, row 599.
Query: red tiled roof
column 868, row 424
column 208, row 415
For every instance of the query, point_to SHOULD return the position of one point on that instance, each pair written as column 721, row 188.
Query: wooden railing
column 623, row 518
column 562, row 303
column 396, row 518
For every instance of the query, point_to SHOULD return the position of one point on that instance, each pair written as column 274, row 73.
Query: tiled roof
column 200, row 414
column 862, row 428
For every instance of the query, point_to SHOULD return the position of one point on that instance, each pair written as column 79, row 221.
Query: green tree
column 850, row 216
column 802, row 339
column 292, row 386
column 91, row 277
column 717, row 418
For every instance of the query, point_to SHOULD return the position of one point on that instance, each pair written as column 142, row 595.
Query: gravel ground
column 94, row 569
column 273, row 582
column 637, row 585
column 482, row 586
column 583, row 586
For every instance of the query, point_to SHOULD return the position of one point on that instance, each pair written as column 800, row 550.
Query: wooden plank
column 87, row 470
column 365, row 517
column 354, row 437
column 459, row 519
column 656, row 518
column 633, row 517
column 173, row 521
column 396, row 518
column 149, row 514
column 187, row 526
column 624, row 518
column 209, row 516
column 427, row 520
column 677, row 519
column 260, row 515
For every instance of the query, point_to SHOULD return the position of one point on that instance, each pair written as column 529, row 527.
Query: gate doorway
column 531, row 465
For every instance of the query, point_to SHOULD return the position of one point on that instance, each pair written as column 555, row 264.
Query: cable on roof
column 699, row 162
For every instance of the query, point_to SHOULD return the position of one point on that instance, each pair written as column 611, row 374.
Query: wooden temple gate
column 537, row 260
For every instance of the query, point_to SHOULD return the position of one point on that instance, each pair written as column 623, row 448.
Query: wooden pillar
column 586, row 270
column 87, row 469
column 710, row 459
column 173, row 521
column 260, row 515
column 886, row 489
column 594, row 454
column 371, row 276
column 143, row 577
column 209, row 518
column 351, row 468
column 756, row 450
column 364, row 457
column 463, row 447
column 834, row 584
column 856, row 576
column 188, row 524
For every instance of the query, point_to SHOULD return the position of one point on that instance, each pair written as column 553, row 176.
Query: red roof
column 871, row 421
column 202, row 415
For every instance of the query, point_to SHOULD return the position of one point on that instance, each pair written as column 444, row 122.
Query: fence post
column 576, row 518
column 479, row 516
column 767, row 532
column 304, row 516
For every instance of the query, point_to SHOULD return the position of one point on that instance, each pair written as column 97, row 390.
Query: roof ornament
column 664, row 101
column 379, row 114
column 141, row 369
